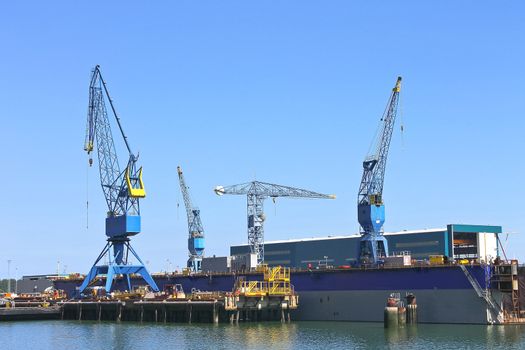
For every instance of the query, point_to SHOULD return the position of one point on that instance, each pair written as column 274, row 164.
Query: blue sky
column 285, row 92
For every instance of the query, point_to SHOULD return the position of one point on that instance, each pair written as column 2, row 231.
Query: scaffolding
column 274, row 294
column 276, row 282
column 505, row 279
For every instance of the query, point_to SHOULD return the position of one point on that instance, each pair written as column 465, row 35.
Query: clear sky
column 288, row 92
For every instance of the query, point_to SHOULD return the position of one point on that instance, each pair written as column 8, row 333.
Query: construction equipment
column 257, row 192
column 370, row 206
column 122, row 190
column 195, row 229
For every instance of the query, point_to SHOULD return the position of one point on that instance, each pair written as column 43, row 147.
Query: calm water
column 65, row 335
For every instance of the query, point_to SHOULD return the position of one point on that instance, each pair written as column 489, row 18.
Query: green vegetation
column 3, row 285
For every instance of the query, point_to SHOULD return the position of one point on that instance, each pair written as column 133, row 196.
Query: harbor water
column 296, row 335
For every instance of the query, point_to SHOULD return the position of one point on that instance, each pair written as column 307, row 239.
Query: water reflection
column 301, row 335
column 399, row 335
column 510, row 335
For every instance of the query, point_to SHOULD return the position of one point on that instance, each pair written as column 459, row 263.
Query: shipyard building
column 456, row 242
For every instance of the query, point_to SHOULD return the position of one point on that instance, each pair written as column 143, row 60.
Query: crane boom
column 270, row 190
column 371, row 210
column 256, row 193
column 195, row 228
column 98, row 127
column 122, row 190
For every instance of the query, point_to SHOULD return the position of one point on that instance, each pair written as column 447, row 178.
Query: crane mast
column 122, row 191
column 195, row 229
column 370, row 206
column 256, row 193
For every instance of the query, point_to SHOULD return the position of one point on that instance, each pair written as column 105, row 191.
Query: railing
column 280, row 288
column 277, row 273
column 262, row 268
column 401, row 253
column 264, row 288
column 253, row 288
column 485, row 294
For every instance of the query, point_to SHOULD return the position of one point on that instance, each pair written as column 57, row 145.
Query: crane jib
column 195, row 228
column 370, row 207
column 122, row 191
column 256, row 192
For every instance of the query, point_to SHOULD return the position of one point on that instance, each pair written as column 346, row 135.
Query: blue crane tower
column 122, row 190
column 370, row 206
column 195, row 229
column 257, row 192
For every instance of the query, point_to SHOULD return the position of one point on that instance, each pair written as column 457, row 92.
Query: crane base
column 117, row 266
column 372, row 248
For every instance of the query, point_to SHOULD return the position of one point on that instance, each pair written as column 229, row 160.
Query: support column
column 215, row 313
column 119, row 309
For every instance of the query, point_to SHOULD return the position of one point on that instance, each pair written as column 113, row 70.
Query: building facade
column 472, row 242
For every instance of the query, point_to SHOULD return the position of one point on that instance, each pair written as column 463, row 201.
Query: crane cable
column 375, row 140
column 380, row 126
column 87, row 194
column 402, row 123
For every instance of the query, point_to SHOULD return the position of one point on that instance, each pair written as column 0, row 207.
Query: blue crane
column 370, row 206
column 122, row 190
column 195, row 229
column 257, row 192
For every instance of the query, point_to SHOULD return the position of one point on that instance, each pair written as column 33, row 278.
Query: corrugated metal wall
column 343, row 251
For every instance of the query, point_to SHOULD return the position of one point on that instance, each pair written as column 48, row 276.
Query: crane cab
column 375, row 199
column 135, row 185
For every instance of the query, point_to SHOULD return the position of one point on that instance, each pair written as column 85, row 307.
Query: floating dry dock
column 448, row 293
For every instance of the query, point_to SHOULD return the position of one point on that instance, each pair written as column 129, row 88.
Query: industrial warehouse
column 476, row 243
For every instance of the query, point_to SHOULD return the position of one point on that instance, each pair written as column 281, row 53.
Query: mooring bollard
column 411, row 308
column 401, row 316
column 391, row 318
column 411, row 314
column 215, row 313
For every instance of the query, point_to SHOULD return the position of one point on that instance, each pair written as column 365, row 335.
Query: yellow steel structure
column 264, row 288
column 139, row 192
column 280, row 288
column 276, row 282
column 254, row 288
column 262, row 268
column 277, row 273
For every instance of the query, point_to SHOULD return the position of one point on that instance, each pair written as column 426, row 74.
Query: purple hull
column 444, row 293
column 415, row 278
